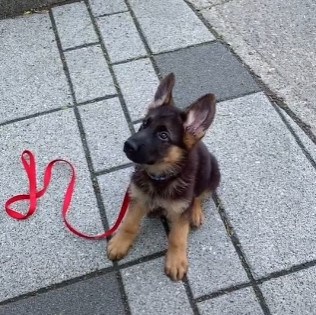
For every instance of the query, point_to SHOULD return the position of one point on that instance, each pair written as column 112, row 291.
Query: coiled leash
column 29, row 164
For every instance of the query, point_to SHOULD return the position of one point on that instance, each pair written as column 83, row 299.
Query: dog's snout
column 130, row 146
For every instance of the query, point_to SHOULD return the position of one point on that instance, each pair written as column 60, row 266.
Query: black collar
column 162, row 177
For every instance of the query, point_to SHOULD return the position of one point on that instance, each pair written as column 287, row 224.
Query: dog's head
column 167, row 133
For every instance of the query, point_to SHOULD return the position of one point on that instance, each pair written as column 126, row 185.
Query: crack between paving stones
column 242, row 257
column 110, row 14
column 97, row 99
column 143, row 39
column 273, row 97
column 93, row 178
column 81, row 46
column 62, row 284
column 151, row 257
column 132, row 130
column 12, row 121
column 295, row 136
column 66, row 107
column 221, row 292
column 157, row 71
column 108, row 61
column 285, row 272
column 84, row 277
column 113, row 169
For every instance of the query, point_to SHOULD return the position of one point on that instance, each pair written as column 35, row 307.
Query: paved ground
column 276, row 42
column 75, row 82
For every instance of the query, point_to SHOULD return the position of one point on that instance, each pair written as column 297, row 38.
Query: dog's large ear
column 163, row 95
column 199, row 117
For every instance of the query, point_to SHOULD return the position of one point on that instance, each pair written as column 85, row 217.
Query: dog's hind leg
column 124, row 238
column 215, row 176
column 197, row 216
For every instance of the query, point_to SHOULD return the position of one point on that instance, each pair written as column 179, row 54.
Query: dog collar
column 161, row 177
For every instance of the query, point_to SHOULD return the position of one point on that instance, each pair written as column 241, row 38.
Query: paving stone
column 121, row 37
column 292, row 294
column 74, row 25
column 306, row 141
column 152, row 237
column 242, row 302
column 212, row 70
column 146, row 287
column 100, row 7
column 267, row 184
column 89, row 73
column 203, row 4
column 106, row 131
column 32, row 77
column 95, row 296
column 276, row 39
column 214, row 264
column 138, row 82
column 160, row 20
column 41, row 251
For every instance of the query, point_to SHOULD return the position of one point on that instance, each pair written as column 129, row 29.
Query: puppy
column 173, row 171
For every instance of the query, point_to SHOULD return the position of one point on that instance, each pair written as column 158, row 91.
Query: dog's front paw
column 118, row 246
column 176, row 265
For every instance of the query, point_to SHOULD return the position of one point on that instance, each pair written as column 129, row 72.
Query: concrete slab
column 267, row 184
column 160, row 21
column 121, row 37
column 74, row 25
column 50, row 254
column 292, row 294
column 277, row 42
column 89, row 73
column 238, row 302
column 153, row 237
column 212, row 70
column 92, row 296
column 32, row 77
column 146, row 287
column 214, row 264
column 138, row 82
column 203, row 4
column 106, row 130
column 100, row 7
column 306, row 141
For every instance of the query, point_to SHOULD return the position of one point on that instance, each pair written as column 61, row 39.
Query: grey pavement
column 75, row 83
column 276, row 39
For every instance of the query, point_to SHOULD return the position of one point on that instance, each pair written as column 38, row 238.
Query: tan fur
column 176, row 265
column 173, row 207
column 197, row 217
column 169, row 162
column 124, row 238
column 190, row 140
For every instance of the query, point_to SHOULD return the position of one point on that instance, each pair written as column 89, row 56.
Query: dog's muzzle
column 134, row 151
column 130, row 147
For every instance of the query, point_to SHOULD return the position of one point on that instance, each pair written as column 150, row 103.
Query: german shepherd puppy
column 173, row 171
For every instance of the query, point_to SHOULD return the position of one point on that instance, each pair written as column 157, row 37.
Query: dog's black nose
column 130, row 146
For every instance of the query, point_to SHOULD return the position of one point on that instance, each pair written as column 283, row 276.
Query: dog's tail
column 215, row 177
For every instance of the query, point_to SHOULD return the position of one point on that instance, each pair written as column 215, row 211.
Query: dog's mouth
column 137, row 157
column 140, row 160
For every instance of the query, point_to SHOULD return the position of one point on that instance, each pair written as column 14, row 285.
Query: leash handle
column 29, row 164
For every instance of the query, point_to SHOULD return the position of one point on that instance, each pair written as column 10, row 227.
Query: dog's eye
column 163, row 135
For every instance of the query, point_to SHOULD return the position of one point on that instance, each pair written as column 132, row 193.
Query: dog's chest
column 153, row 202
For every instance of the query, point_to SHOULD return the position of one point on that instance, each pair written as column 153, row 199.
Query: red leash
column 29, row 164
